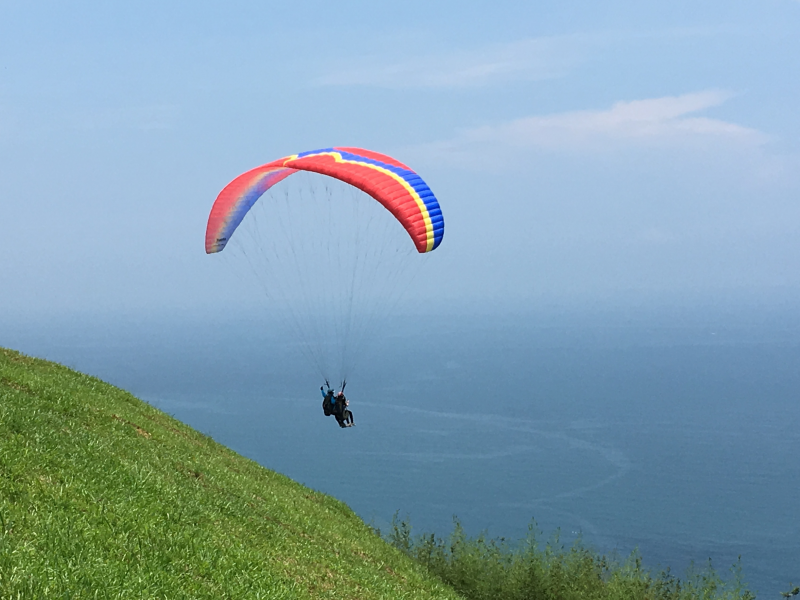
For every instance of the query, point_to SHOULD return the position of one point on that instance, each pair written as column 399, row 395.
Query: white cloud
column 530, row 60
column 669, row 120
column 522, row 60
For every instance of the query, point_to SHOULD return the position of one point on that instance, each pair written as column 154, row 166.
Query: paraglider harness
column 328, row 401
column 329, row 404
column 334, row 405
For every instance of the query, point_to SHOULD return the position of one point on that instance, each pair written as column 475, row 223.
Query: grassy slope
column 103, row 494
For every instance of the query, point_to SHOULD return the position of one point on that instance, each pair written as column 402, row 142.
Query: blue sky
column 582, row 152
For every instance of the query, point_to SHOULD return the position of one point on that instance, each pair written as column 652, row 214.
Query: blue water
column 679, row 435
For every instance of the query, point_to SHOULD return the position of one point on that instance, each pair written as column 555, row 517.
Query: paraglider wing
column 237, row 198
column 399, row 189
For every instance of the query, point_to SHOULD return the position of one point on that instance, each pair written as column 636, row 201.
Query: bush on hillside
column 492, row 569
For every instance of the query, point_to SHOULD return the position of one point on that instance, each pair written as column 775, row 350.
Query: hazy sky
column 581, row 151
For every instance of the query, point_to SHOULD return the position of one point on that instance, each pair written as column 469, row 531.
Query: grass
column 103, row 496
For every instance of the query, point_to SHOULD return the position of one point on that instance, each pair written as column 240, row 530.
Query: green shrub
column 493, row 569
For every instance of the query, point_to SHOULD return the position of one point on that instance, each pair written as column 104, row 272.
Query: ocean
column 677, row 434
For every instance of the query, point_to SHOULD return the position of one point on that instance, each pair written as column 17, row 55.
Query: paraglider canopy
column 387, row 180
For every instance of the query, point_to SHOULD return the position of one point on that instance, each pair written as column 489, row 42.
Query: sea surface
column 676, row 434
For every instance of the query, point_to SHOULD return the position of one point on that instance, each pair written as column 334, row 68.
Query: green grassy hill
column 103, row 496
